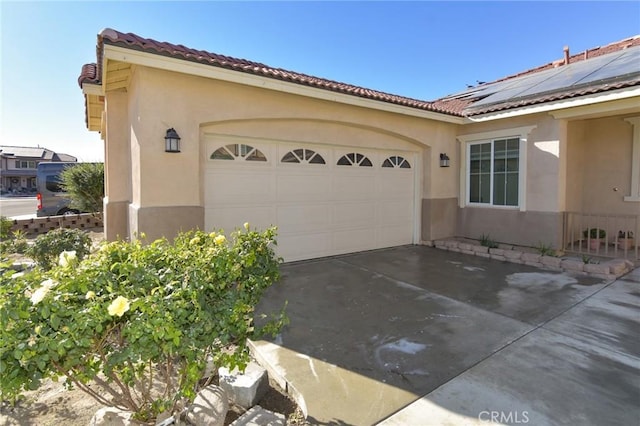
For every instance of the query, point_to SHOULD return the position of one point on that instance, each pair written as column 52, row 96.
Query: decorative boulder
column 111, row 416
column 209, row 408
column 245, row 389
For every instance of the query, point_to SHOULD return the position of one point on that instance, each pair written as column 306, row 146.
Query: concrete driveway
column 415, row 335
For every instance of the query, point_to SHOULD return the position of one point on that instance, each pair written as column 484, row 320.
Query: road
column 18, row 207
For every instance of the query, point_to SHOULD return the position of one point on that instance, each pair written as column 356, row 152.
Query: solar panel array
column 621, row 65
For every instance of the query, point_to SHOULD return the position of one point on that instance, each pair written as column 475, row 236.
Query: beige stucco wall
column 539, row 219
column 600, row 166
column 197, row 107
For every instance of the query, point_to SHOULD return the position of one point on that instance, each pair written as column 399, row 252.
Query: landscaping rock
column 513, row 254
column 551, row 261
column 529, row 258
column 602, row 269
column 258, row 416
column 111, row 416
column 572, row 265
column 497, row 251
column 244, row 389
column 209, row 408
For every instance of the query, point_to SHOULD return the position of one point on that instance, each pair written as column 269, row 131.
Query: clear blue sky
column 423, row 50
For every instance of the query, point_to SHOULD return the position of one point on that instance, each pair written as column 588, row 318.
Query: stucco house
column 18, row 166
column 530, row 159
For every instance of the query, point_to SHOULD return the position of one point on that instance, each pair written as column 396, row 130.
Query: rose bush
column 138, row 322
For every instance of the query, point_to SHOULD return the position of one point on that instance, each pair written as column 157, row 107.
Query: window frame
column 466, row 141
column 492, row 172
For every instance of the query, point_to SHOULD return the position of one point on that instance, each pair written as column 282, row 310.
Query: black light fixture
column 444, row 160
column 172, row 141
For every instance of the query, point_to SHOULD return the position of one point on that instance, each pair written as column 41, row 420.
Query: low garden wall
column 42, row 225
column 609, row 269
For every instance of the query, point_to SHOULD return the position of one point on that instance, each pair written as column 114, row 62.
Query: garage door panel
column 352, row 186
column 354, row 215
column 230, row 218
column 394, row 212
column 298, row 247
column 303, row 218
column 351, row 240
column 301, row 187
column 239, row 187
column 391, row 236
column 395, row 185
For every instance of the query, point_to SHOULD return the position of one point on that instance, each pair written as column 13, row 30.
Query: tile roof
column 461, row 104
column 91, row 72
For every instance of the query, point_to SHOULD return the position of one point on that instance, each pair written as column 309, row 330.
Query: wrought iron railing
column 606, row 235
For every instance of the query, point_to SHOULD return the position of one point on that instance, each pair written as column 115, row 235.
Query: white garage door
column 324, row 200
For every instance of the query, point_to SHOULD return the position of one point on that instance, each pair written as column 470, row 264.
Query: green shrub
column 5, row 227
column 486, row 241
column 84, row 184
column 138, row 322
column 546, row 249
column 47, row 247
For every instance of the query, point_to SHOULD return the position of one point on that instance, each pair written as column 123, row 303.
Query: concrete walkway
column 415, row 335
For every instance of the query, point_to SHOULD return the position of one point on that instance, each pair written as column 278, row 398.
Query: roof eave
column 167, row 63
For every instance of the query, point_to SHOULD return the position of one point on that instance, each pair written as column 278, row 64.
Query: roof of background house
column 616, row 62
column 35, row 153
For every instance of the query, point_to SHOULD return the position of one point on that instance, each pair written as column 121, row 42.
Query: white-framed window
column 494, row 172
column 493, row 168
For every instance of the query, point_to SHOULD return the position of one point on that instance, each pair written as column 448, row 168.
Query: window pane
column 221, row 154
column 485, row 189
column 474, row 189
column 317, row 159
column 405, row 164
column 344, row 161
column 387, row 163
column 366, row 163
column 512, row 189
column 498, row 189
column 256, row 155
column 512, row 164
column 289, row 158
column 500, row 148
column 299, row 153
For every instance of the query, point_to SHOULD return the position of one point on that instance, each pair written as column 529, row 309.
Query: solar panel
column 612, row 66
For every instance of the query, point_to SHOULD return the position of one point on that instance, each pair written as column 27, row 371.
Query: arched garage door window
column 302, row 156
column 354, row 159
column 238, row 152
column 396, row 162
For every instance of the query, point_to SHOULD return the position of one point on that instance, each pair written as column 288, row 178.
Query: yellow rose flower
column 67, row 258
column 119, row 306
column 90, row 295
column 246, row 226
column 219, row 240
column 39, row 294
column 42, row 291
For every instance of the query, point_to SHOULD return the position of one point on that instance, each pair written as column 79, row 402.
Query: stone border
column 42, row 225
column 608, row 270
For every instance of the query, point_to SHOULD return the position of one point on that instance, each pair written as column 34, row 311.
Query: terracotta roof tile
column 457, row 106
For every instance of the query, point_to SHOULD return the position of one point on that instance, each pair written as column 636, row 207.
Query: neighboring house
column 18, row 166
column 340, row 168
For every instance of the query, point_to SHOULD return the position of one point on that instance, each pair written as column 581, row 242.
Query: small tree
column 84, row 183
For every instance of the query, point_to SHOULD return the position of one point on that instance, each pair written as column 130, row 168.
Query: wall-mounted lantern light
column 172, row 141
column 444, row 160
